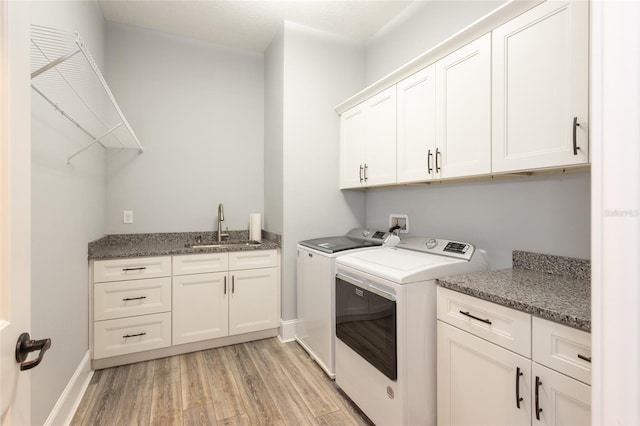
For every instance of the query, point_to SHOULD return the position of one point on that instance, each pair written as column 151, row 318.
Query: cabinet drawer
column 200, row 263
column 121, row 299
column 131, row 269
column 562, row 348
column 129, row 335
column 253, row 259
column 503, row 326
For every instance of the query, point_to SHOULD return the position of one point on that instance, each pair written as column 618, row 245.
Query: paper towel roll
column 255, row 227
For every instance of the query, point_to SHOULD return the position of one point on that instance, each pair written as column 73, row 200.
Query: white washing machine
column 315, row 329
column 386, row 325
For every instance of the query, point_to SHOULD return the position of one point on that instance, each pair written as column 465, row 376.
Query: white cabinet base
column 563, row 400
column 98, row 364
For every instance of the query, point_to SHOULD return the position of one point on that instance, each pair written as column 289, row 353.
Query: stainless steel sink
column 225, row 244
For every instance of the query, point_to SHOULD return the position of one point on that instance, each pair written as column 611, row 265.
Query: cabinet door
column 352, row 147
column 463, row 110
column 540, row 84
column 416, row 144
column 562, row 400
column 380, row 120
column 254, row 300
column 200, row 307
column 478, row 382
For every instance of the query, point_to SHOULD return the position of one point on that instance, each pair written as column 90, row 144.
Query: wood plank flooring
column 257, row 383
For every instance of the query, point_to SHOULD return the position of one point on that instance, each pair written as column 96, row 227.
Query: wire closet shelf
column 65, row 74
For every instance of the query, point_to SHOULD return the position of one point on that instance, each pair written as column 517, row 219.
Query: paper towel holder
column 255, row 227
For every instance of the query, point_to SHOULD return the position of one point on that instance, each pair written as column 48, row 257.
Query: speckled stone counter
column 174, row 243
column 551, row 287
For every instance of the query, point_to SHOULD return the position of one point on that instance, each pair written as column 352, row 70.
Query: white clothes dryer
column 386, row 325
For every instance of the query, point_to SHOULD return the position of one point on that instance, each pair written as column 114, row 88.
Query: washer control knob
column 431, row 243
column 366, row 233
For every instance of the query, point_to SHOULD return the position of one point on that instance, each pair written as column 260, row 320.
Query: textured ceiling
column 251, row 25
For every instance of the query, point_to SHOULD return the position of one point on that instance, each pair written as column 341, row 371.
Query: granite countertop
column 551, row 287
column 174, row 243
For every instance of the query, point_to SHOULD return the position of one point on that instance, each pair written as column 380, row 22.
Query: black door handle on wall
column 25, row 345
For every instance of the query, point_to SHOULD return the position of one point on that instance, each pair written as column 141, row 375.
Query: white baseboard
column 62, row 413
column 287, row 330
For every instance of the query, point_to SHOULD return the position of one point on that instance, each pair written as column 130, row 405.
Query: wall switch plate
column 127, row 216
column 399, row 219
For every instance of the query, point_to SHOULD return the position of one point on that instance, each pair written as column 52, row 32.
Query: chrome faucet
column 220, row 220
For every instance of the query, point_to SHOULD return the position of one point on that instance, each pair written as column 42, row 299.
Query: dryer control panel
column 457, row 249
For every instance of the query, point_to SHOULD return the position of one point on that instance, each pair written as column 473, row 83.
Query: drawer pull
column 139, row 268
column 126, row 299
column 518, row 397
column 134, row 335
column 584, row 358
column 225, row 285
column 486, row 321
column 538, row 409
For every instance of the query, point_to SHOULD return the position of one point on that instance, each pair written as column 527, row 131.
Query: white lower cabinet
column 559, row 400
column 242, row 296
column 200, row 307
column 482, row 382
column 479, row 383
column 139, row 305
column 254, row 300
column 129, row 335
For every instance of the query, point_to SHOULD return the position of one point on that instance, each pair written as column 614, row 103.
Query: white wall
column 199, row 111
column 417, row 29
column 544, row 214
column 547, row 214
column 319, row 72
column 68, row 204
column 273, row 122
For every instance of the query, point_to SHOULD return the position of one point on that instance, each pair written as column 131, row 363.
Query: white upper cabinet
column 368, row 142
column 540, row 88
column 352, row 147
column 463, row 111
column 416, row 145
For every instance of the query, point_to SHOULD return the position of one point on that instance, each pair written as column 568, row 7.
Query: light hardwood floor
column 263, row 382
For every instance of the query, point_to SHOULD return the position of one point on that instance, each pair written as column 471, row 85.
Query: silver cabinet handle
column 365, row 172
column 361, row 168
column 429, row 168
column 225, row 285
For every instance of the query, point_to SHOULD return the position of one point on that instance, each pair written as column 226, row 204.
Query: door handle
column 518, row 397
column 429, row 168
column 575, row 138
column 537, row 397
column 25, row 345
column 438, row 153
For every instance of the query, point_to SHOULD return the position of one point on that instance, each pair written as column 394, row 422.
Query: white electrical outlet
column 127, row 216
column 401, row 220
